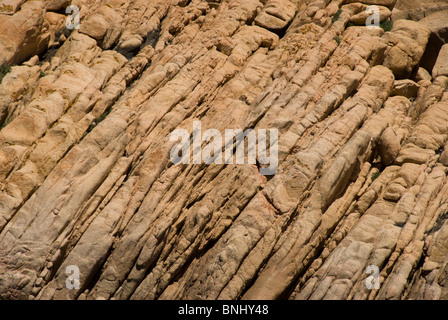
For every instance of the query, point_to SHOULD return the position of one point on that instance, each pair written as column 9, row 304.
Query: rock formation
column 86, row 178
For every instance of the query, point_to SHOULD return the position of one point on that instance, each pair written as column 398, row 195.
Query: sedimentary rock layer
column 86, row 177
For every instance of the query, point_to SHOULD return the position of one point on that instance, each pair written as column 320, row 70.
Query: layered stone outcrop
column 86, row 178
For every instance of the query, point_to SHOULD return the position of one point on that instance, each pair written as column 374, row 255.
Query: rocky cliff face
column 87, row 182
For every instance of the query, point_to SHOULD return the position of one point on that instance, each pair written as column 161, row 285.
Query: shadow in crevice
column 431, row 53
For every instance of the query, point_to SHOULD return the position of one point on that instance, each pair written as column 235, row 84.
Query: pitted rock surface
column 86, row 177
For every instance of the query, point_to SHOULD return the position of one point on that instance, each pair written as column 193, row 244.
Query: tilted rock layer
column 86, row 178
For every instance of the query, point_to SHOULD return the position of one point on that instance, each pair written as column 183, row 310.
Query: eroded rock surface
column 86, row 178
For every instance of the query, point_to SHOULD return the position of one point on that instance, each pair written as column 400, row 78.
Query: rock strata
column 87, row 181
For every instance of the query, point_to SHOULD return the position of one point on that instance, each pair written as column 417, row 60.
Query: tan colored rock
column 56, row 27
column 441, row 67
column 407, row 41
column 389, row 146
column 386, row 3
column 23, row 34
column 360, row 18
column 430, row 130
column 10, row 6
column 276, row 14
column 406, row 88
column 423, row 74
column 436, row 22
column 103, row 25
column 56, row 5
column 87, row 179
column 444, row 156
column 417, row 10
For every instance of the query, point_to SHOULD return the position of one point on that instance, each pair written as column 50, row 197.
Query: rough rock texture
column 417, row 9
column 24, row 33
column 86, row 178
column 361, row 17
column 441, row 66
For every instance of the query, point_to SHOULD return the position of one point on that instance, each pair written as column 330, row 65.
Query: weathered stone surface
column 444, row 156
column 103, row 25
column 406, row 88
column 436, row 22
column 417, row 10
column 23, row 34
column 407, row 41
column 389, row 146
column 276, row 14
column 386, row 3
column 56, row 5
column 361, row 17
column 441, row 66
column 423, row 74
column 86, row 178
column 10, row 6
